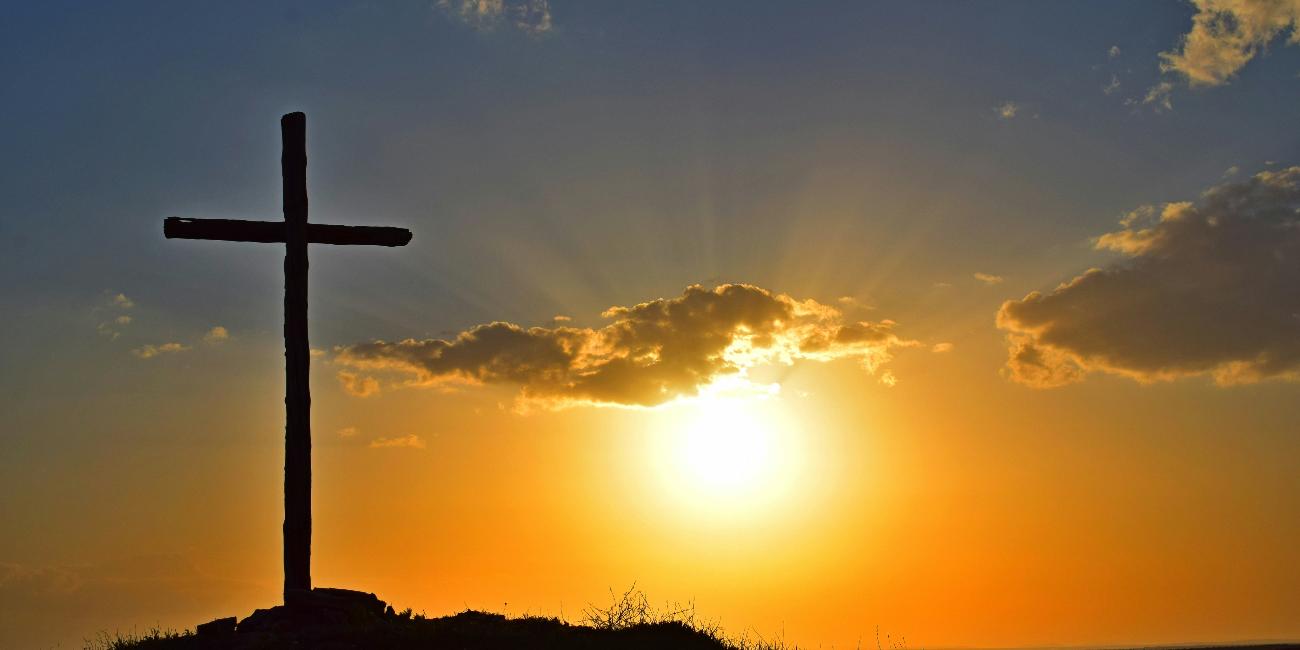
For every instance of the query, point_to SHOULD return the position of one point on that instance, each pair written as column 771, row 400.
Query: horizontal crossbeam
column 272, row 232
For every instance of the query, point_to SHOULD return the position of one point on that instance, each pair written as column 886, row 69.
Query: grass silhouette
column 629, row 622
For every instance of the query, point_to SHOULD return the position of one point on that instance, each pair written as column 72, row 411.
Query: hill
column 337, row 619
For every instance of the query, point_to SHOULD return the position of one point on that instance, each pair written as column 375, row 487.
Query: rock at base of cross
column 318, row 608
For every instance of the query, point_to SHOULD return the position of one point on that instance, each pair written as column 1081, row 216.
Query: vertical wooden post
column 297, row 357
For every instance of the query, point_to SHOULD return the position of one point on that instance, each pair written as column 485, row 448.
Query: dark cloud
column 646, row 355
column 1211, row 287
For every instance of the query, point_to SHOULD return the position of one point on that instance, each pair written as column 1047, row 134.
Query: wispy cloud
column 1206, row 287
column 357, row 385
column 349, row 432
column 1007, row 110
column 988, row 278
column 1112, row 87
column 216, row 335
column 1159, row 97
column 850, row 302
column 1113, row 52
column 113, row 325
column 150, row 351
column 106, row 329
column 532, row 17
column 410, row 440
column 648, row 354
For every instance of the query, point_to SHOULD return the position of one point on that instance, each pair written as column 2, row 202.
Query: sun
column 724, row 455
column 725, row 445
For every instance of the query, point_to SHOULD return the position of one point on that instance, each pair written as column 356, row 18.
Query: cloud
column 358, row 386
column 1159, row 97
column 1112, row 87
column 849, row 302
column 647, row 354
column 151, row 351
column 216, row 335
column 106, row 329
column 348, row 432
column 1113, row 52
column 1204, row 288
column 988, row 278
column 1226, row 35
column 940, row 348
column 1040, row 366
column 113, row 326
column 532, row 17
column 1007, row 110
column 410, row 440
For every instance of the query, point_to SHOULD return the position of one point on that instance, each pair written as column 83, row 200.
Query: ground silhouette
column 338, row 619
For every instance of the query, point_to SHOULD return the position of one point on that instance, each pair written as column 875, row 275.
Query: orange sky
column 953, row 508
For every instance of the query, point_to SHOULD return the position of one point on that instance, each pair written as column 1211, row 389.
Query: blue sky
column 627, row 152
column 620, row 119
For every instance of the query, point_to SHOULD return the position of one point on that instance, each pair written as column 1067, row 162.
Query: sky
column 972, row 322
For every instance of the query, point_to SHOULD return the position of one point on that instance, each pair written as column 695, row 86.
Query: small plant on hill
column 131, row 641
column 632, row 608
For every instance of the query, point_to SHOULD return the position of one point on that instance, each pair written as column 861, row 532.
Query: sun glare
column 726, row 455
column 726, row 446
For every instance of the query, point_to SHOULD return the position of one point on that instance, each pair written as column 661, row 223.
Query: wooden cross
column 295, row 233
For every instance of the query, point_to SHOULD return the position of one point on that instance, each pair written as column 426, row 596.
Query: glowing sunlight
column 725, row 454
column 726, row 446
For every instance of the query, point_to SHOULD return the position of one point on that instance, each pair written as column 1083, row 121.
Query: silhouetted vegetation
column 629, row 622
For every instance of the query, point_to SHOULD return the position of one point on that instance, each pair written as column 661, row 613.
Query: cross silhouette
column 295, row 233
